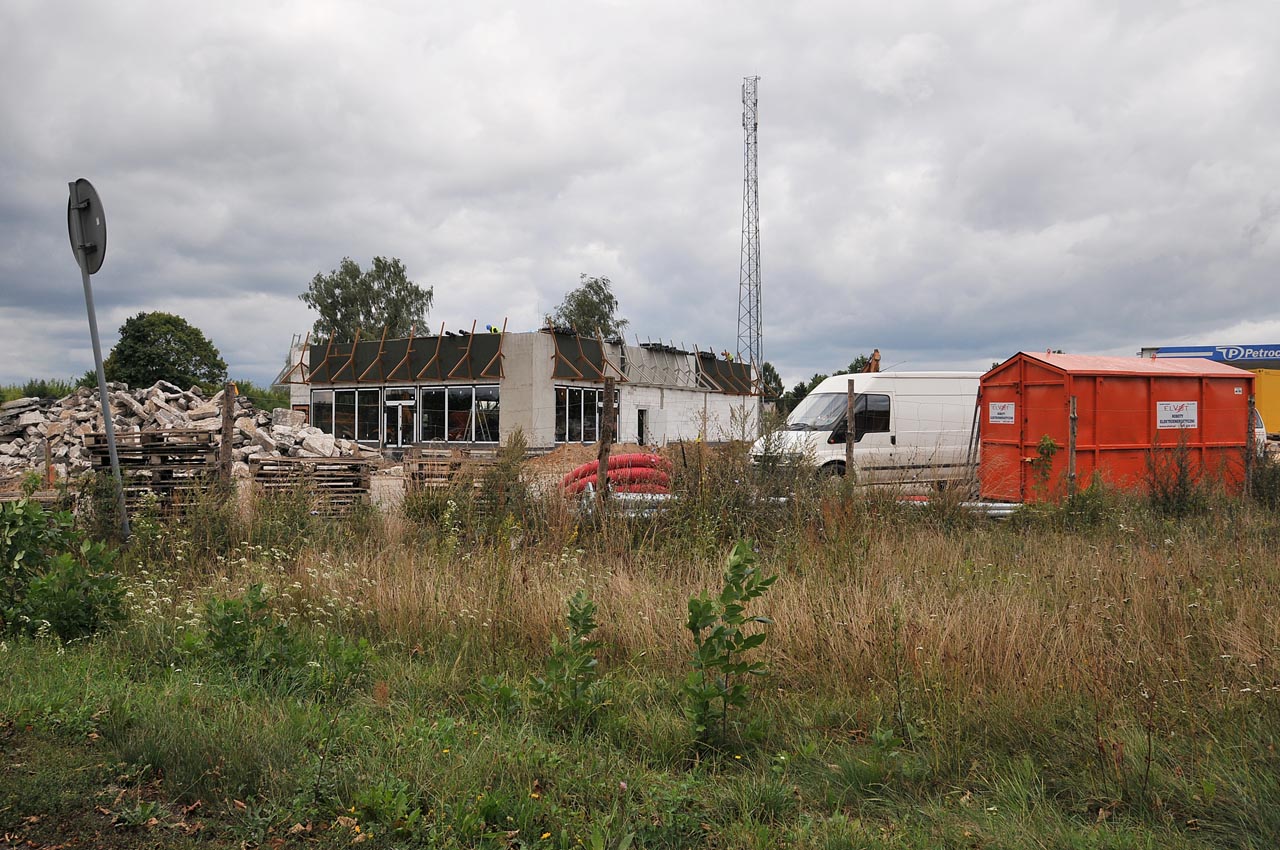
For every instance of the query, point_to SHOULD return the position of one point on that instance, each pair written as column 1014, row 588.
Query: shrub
column 251, row 640
column 1264, row 482
column 42, row 388
column 53, row 579
column 98, row 506
column 569, row 690
column 718, row 680
column 1173, row 488
column 723, row 496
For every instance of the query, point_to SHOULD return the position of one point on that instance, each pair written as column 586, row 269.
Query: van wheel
column 832, row 470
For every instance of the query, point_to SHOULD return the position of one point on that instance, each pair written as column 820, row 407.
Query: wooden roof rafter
column 408, row 352
column 638, row 369
column 735, row 383
column 328, row 348
column 582, row 356
column 434, row 357
column 690, row 368
column 497, row 357
column 741, row 386
column 382, row 378
column 351, row 361
column 300, row 367
column 466, row 355
column 703, row 375
column 556, row 355
column 604, row 358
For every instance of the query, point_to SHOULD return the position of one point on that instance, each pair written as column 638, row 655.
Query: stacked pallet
column 335, row 485
column 444, row 468
column 162, row 463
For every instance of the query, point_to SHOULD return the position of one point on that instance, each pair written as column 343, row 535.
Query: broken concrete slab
column 283, row 416
column 319, row 445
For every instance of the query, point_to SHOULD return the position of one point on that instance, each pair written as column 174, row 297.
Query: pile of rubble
column 33, row 429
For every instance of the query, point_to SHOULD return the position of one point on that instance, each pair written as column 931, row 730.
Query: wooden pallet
column 442, row 468
column 161, row 463
column 335, row 485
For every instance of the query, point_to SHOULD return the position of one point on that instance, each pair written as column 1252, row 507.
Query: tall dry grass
column 1189, row 613
column 1129, row 605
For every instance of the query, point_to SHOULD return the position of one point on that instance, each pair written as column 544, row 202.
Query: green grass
column 263, row 397
column 423, row 761
column 39, row 388
column 934, row 681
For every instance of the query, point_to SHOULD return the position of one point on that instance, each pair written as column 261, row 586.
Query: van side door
column 874, row 451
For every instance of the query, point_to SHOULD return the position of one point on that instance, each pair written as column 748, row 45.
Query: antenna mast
column 749, row 323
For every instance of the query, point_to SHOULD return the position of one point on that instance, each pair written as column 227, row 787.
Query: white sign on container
column 1001, row 413
column 1177, row 414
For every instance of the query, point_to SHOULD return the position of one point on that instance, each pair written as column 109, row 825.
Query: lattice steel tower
column 749, row 317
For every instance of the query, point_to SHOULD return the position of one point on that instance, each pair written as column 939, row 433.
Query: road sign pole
column 77, row 240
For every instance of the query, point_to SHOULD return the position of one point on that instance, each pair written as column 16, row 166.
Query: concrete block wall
column 528, row 398
column 684, row 414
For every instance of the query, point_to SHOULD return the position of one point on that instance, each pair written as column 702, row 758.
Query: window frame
column 420, row 394
column 581, row 398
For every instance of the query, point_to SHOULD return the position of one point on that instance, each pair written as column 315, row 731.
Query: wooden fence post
column 228, row 431
column 848, row 432
column 607, row 426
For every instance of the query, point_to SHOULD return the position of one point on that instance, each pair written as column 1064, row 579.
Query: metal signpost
column 87, row 227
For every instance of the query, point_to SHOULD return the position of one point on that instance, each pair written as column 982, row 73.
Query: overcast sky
column 949, row 181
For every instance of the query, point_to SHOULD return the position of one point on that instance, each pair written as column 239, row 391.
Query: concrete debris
column 31, row 426
column 319, row 444
column 284, row 417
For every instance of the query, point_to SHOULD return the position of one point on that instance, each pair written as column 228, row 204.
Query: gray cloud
column 949, row 182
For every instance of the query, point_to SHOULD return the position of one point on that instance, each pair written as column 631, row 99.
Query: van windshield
column 818, row 412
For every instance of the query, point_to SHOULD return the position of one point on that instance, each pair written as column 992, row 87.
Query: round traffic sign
column 84, row 205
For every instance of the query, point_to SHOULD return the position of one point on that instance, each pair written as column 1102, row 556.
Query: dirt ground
column 567, row 457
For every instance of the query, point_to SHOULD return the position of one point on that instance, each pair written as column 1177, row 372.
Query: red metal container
column 1130, row 413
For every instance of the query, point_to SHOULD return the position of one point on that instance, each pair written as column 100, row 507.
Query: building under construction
column 467, row 388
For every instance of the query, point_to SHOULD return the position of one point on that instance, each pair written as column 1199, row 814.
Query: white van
column 909, row 427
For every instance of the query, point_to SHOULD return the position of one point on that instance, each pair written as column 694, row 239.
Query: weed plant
column 569, row 692
column 1174, row 482
column 1264, row 482
column 721, row 666
column 52, row 580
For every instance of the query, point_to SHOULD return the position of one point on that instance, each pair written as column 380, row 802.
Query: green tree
column 380, row 298
column 590, row 308
column 164, row 347
column 788, row 401
column 857, row 364
column 771, row 382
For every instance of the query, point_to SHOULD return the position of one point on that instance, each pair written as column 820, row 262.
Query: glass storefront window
column 486, row 415
column 574, row 428
column 322, row 410
column 460, row 413
column 445, row 414
column 433, row 420
column 590, row 415
column 562, row 413
column 344, row 414
column 369, row 415
column 579, row 414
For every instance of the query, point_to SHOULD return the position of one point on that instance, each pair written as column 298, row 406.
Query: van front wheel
column 832, row 470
